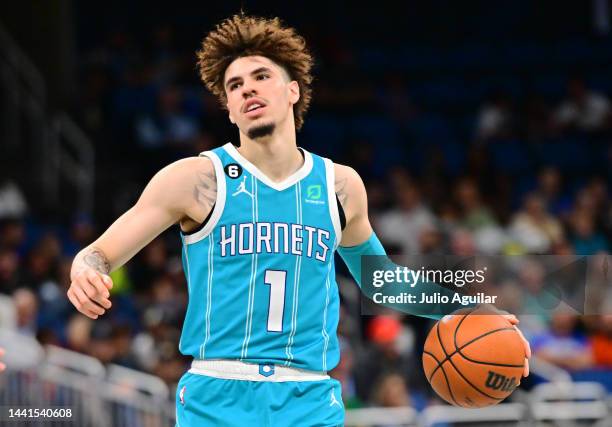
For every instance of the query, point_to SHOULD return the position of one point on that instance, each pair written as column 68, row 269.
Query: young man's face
column 260, row 95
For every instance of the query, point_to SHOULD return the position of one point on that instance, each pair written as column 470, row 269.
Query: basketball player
column 259, row 225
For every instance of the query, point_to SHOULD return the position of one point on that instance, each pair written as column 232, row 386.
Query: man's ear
column 294, row 92
column 230, row 114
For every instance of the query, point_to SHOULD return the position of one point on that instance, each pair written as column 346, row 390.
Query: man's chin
column 261, row 130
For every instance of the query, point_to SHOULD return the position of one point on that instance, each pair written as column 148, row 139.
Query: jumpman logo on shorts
column 242, row 188
column 333, row 400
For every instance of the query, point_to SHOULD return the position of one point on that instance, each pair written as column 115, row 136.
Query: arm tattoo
column 205, row 191
column 340, row 187
column 97, row 260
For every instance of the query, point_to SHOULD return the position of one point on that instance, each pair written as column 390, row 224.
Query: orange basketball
column 473, row 360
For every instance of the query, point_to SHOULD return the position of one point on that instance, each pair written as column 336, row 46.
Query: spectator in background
column 601, row 341
column 12, row 201
column 12, row 234
column 78, row 333
column 9, row 271
column 168, row 126
column 152, row 263
column 170, row 364
column 101, row 343
column 597, row 189
column 391, row 392
column 474, row 214
column 583, row 109
column 26, row 308
column 534, row 228
column 496, row 118
column 42, row 261
column 431, row 241
column 586, row 202
column 402, row 225
column 586, row 239
column 462, row 243
column 55, row 311
column 390, row 352
column 551, row 192
column 563, row 345
column 82, row 233
column 168, row 301
column 536, row 300
column 122, row 341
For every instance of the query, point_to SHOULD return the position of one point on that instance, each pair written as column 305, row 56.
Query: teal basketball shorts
column 233, row 393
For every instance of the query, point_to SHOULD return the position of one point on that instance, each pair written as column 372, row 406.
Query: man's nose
column 247, row 90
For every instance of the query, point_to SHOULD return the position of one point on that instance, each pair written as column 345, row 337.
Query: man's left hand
column 514, row 321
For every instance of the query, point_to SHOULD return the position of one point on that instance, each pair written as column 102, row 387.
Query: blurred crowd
column 507, row 176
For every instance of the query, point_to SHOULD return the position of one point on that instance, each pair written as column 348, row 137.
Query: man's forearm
column 378, row 260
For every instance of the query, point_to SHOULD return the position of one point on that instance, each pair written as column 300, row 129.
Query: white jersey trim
column 238, row 370
column 219, row 204
column 278, row 186
column 331, row 196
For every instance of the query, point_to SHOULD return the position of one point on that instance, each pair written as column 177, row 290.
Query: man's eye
column 262, row 77
column 234, row 86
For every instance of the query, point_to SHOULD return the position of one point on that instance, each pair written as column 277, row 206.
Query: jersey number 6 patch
column 233, row 170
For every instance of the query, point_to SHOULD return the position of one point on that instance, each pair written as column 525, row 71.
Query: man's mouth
column 255, row 110
column 254, row 107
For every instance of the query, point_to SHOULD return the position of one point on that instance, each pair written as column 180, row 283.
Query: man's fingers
column 108, row 282
column 96, row 281
column 79, row 306
column 511, row 318
column 525, row 342
column 526, row 369
column 87, row 307
column 93, row 293
column 72, row 298
column 104, row 303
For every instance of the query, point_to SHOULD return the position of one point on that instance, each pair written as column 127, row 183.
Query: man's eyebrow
column 256, row 71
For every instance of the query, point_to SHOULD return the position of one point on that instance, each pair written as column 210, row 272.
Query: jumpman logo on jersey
column 242, row 188
column 333, row 400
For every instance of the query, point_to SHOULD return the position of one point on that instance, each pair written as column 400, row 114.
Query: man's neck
column 276, row 155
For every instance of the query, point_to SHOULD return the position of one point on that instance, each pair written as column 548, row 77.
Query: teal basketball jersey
column 260, row 273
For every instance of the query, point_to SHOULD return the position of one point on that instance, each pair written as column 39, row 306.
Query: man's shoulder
column 345, row 172
column 189, row 165
column 189, row 162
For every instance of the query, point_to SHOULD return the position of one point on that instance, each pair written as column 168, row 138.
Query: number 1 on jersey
column 276, row 279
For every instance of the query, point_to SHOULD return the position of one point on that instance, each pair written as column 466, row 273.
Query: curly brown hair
column 242, row 35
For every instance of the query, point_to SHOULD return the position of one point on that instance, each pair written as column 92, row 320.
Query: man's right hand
column 89, row 292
